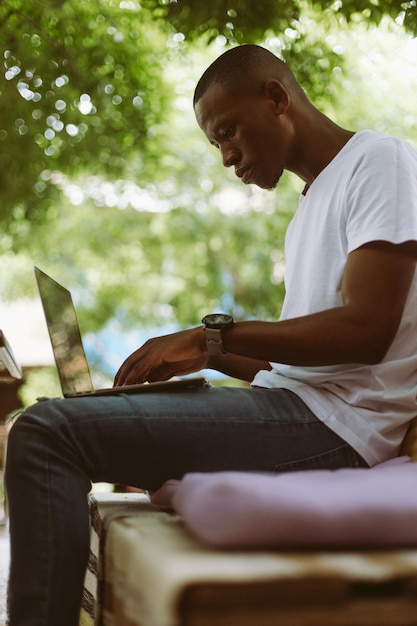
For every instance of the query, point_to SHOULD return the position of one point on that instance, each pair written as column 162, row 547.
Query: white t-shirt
column 368, row 192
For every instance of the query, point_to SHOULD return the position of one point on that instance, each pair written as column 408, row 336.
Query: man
column 334, row 381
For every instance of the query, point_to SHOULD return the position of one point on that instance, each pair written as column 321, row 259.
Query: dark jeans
column 58, row 446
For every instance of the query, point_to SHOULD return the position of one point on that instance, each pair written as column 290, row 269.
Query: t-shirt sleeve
column 381, row 203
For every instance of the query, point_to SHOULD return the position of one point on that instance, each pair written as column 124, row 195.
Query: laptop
column 69, row 354
column 9, row 367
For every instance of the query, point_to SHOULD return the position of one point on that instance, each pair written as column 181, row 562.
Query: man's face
column 248, row 133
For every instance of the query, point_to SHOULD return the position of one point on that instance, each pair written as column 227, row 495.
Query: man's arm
column 180, row 354
column 375, row 287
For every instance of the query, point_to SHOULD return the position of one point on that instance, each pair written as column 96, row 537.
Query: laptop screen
column 64, row 331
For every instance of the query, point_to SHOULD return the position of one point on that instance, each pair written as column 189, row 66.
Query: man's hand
column 162, row 358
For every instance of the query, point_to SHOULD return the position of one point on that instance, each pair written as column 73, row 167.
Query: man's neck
column 321, row 145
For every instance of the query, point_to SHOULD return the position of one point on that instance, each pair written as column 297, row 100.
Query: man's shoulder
column 372, row 140
column 379, row 151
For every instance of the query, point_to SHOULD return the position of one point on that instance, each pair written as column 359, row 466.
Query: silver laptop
column 67, row 346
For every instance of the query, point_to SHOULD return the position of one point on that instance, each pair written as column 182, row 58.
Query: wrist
column 214, row 325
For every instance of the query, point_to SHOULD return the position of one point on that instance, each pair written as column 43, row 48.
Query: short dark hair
column 232, row 66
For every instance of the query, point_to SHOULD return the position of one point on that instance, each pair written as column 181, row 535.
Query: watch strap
column 214, row 341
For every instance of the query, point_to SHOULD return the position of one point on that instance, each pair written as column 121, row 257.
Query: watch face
column 217, row 320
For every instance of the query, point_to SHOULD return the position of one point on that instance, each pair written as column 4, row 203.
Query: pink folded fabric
column 374, row 507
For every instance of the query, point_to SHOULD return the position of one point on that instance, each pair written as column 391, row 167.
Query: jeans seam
column 350, row 454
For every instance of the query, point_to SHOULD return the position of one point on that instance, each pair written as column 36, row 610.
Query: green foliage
column 43, row 378
column 152, row 269
column 245, row 21
column 82, row 88
column 238, row 21
column 83, row 83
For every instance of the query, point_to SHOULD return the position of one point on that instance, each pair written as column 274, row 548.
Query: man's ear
column 278, row 94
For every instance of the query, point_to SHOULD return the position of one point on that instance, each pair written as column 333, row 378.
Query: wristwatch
column 213, row 324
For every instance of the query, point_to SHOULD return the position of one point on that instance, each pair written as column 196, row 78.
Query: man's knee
column 28, row 433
